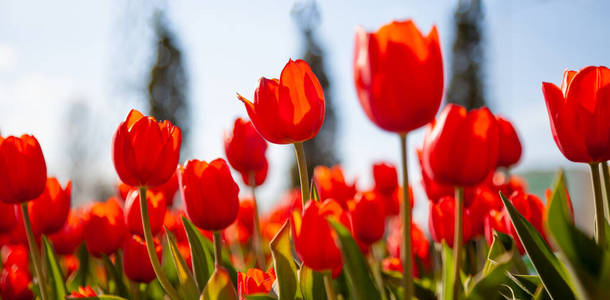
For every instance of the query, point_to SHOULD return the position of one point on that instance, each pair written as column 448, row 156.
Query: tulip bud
column 156, row 211
column 136, row 262
column 245, row 148
column 23, row 171
column 510, row 146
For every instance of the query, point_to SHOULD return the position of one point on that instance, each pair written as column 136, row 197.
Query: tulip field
column 179, row 230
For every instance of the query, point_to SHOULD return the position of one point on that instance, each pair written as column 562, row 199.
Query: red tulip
column 259, row 176
column 461, row 148
column 386, row 178
column 419, row 244
column 254, row 281
column 243, row 227
column 392, row 264
column 15, row 255
column 274, row 220
column 509, row 152
column 70, row 236
column 579, row 112
column 23, row 171
column 532, row 209
column 399, row 75
column 145, row 152
column 173, row 222
column 136, row 262
column 210, row 193
column 288, row 110
column 105, row 228
column 49, row 211
column 70, row 263
column 83, row 292
column 245, row 148
column 168, row 189
column 7, row 217
column 313, row 237
column 441, row 221
column 368, row 218
column 496, row 220
column 156, row 211
column 330, row 183
column 14, row 283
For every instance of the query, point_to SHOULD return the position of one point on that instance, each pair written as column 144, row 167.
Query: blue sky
column 55, row 53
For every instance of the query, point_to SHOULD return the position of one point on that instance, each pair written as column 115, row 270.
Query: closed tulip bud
column 313, row 237
column 510, row 145
column 136, row 262
column 254, row 281
column 368, row 218
column 145, row 152
column 83, row 292
column 386, row 178
column 7, row 217
column 245, row 148
column 23, row 171
column 15, row 283
column 578, row 111
column 288, row 110
column 156, row 211
column 330, row 184
column 210, row 193
column 105, row 228
column 70, row 236
column 399, row 75
column 460, row 147
column 15, row 255
column 49, row 211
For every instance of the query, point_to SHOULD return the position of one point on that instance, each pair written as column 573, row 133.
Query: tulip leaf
column 311, row 284
column 355, row 266
column 545, row 263
column 283, row 263
column 447, row 272
column 56, row 276
column 486, row 285
column 586, row 259
column 116, row 273
column 102, row 297
column 503, row 243
column 219, row 287
column 80, row 276
column 420, row 290
column 260, row 297
column 188, row 287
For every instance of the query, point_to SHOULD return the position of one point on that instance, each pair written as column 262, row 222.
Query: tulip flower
column 83, row 292
column 15, row 255
column 386, row 178
column 245, row 148
column 7, row 217
column 330, row 184
column 368, row 218
column 419, row 242
column 49, row 211
column 210, row 193
column 173, row 222
column 398, row 74
column 509, row 151
column 441, row 221
column 105, row 228
column 156, row 211
column 136, row 263
column 23, row 171
column 70, row 236
column 254, row 281
column 14, row 283
column 259, row 176
column 313, row 236
column 145, row 152
column 243, row 227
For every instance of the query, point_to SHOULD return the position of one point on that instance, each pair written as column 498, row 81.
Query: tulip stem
column 407, row 278
column 34, row 252
column 457, row 239
column 600, row 227
column 328, row 285
column 257, row 241
column 302, row 164
column 376, row 270
column 217, row 248
column 606, row 175
column 152, row 253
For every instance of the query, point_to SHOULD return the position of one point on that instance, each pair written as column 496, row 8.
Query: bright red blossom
column 83, row 292
column 510, row 148
column 105, row 228
column 245, row 148
column 254, row 281
column 136, row 262
column 49, row 211
column 70, row 236
column 386, row 178
column 156, row 211
column 399, row 75
column 14, row 283
column 288, row 110
column 23, row 171
column 331, row 184
column 368, row 218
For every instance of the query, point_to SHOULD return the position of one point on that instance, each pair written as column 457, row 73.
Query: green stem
column 302, row 164
column 257, row 241
column 328, row 285
column 34, row 252
column 457, row 239
column 134, row 290
column 376, row 270
column 407, row 278
column 150, row 246
column 600, row 228
column 217, row 248
column 606, row 175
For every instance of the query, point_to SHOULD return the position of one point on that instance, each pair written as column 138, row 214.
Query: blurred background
column 71, row 70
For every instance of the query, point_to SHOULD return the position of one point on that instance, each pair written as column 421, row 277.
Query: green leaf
column 202, row 258
column 546, row 264
column 486, row 285
column 503, row 243
column 355, row 266
column 58, row 287
column 102, row 297
column 219, row 287
column 79, row 277
column 116, row 274
column 311, row 284
column 188, row 287
column 314, row 192
column 283, row 263
column 261, row 297
column 447, row 273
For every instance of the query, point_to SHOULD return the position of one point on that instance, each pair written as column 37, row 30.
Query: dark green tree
column 468, row 56
column 168, row 83
column 321, row 149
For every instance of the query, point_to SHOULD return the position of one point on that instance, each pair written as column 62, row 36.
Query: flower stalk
column 457, row 239
column 407, row 281
column 600, row 227
column 34, row 252
column 302, row 164
column 257, row 241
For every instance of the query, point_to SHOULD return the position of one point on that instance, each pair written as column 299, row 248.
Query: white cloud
column 8, row 58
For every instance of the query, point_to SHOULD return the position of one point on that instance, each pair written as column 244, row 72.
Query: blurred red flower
column 136, row 262
column 156, row 211
column 254, row 281
column 105, row 228
column 49, row 211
